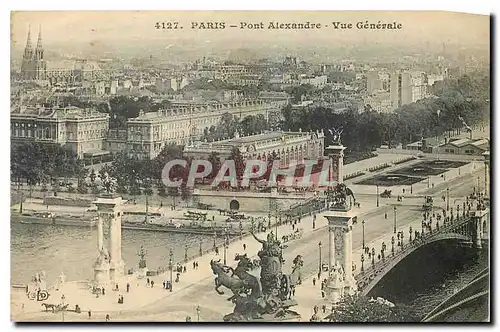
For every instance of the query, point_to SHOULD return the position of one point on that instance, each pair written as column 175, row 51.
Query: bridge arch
column 370, row 279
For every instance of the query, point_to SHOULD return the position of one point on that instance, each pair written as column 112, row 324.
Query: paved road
column 213, row 306
column 174, row 307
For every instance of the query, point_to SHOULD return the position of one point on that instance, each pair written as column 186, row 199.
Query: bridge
column 467, row 229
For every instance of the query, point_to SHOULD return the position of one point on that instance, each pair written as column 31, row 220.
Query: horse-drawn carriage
column 428, row 204
column 386, row 194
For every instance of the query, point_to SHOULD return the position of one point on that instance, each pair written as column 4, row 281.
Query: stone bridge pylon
column 109, row 265
column 340, row 217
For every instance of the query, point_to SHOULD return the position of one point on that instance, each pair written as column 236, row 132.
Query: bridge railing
column 370, row 272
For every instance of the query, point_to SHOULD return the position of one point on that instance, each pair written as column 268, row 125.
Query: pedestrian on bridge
column 385, row 215
column 314, row 281
column 244, row 247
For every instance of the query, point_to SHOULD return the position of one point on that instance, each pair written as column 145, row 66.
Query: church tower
column 40, row 67
column 26, row 66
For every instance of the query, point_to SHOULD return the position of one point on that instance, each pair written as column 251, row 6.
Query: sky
column 117, row 27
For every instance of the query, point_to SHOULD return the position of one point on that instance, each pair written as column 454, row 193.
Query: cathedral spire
column 28, row 48
column 39, row 42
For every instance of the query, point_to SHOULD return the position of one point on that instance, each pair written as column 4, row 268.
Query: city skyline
column 118, row 28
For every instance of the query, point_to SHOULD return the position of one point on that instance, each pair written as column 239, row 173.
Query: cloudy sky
column 128, row 26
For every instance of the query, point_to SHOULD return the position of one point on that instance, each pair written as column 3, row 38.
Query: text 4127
column 167, row 25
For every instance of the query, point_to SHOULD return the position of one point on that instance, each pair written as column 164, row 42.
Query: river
column 431, row 275
column 72, row 250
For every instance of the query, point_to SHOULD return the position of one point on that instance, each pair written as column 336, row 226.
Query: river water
column 72, row 250
column 431, row 275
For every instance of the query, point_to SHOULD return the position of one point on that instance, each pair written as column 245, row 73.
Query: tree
column 239, row 163
column 359, row 309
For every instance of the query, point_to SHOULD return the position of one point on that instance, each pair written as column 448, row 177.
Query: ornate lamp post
column 319, row 266
column 171, row 266
column 378, row 203
column 373, row 257
column 185, row 253
column 198, row 312
column 395, row 219
column 225, row 245
column 392, row 242
column 241, row 230
column 215, row 240
column 201, row 249
column 62, row 305
column 363, row 223
column 362, row 260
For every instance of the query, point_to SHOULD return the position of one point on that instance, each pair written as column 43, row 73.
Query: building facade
column 289, row 147
column 148, row 134
column 401, row 89
column 82, row 131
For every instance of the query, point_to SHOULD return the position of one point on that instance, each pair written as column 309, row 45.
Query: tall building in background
column 373, row 82
column 401, row 89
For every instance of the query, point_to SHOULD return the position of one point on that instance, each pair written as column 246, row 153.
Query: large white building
column 147, row 134
column 82, row 131
column 289, row 147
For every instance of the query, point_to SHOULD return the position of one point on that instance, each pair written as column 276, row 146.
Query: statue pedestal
column 109, row 239
column 101, row 275
column 116, row 270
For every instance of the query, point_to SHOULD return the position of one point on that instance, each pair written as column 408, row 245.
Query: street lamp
column 170, row 266
column 215, row 240
column 395, row 219
column 377, row 200
column 201, row 249
column 363, row 223
column 269, row 221
column 402, row 237
column 185, row 253
column 447, row 199
column 319, row 266
column 392, row 242
column 411, row 231
column 62, row 306
column 241, row 230
column 198, row 312
column 373, row 257
column 362, row 260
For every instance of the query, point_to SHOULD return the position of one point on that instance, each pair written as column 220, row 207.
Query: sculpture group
column 337, row 198
column 266, row 299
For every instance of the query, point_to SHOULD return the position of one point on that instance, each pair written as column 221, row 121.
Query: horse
column 49, row 306
column 223, row 278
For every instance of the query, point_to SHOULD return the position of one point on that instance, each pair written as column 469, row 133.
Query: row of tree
column 466, row 97
column 229, row 125
column 36, row 163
